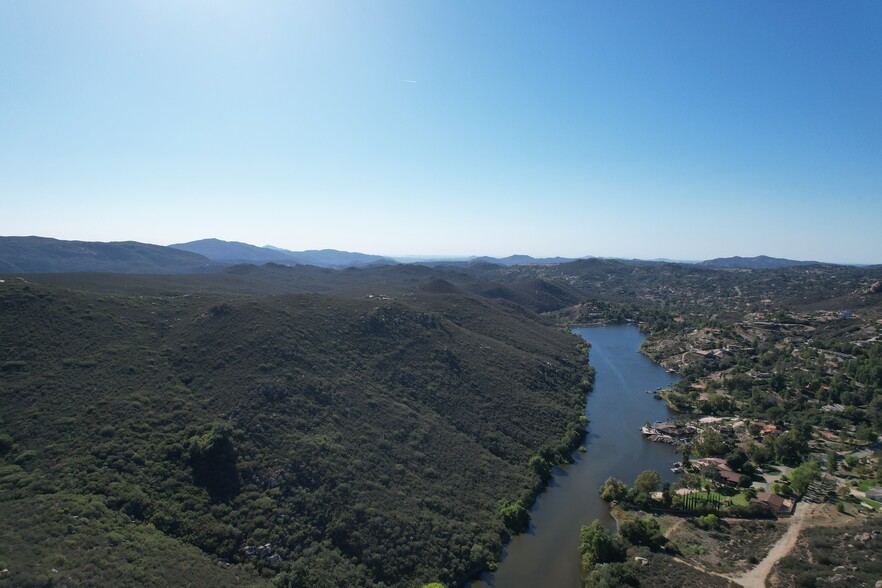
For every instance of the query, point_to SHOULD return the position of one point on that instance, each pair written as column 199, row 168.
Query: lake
column 547, row 555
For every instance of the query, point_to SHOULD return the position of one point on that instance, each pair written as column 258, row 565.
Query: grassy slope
column 366, row 440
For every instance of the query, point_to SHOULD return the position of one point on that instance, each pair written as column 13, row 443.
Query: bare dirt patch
column 734, row 548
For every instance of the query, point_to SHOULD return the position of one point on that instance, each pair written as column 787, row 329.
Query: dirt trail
column 703, row 570
column 674, row 527
column 756, row 578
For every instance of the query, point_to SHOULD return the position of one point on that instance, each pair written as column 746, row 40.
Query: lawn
column 740, row 500
column 866, row 485
column 704, row 495
column 736, row 499
column 873, row 503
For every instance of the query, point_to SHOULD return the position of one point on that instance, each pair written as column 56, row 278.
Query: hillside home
column 778, row 504
column 730, row 477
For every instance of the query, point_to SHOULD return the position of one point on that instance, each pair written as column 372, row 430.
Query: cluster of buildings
column 673, row 433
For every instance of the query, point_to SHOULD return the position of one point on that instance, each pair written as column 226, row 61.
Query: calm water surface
column 547, row 556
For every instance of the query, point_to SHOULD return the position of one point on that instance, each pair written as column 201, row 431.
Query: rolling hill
column 41, row 254
column 324, row 439
column 759, row 262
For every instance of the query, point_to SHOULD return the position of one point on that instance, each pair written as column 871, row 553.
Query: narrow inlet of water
column 547, row 555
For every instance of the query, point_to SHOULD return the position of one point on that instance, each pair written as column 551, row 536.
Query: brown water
column 547, row 555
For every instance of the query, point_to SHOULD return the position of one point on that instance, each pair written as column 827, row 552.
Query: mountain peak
column 236, row 252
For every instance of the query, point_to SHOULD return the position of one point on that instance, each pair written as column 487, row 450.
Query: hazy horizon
column 643, row 130
column 415, row 258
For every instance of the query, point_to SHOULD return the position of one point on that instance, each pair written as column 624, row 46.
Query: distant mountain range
column 235, row 252
column 759, row 262
column 45, row 255
column 522, row 260
column 41, row 254
column 484, row 260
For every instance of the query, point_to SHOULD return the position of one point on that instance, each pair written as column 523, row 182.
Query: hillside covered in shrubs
column 156, row 426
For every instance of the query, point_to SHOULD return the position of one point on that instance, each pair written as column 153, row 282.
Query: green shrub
column 709, row 521
column 514, row 515
column 599, row 546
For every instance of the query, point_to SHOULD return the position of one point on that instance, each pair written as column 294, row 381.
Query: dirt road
column 756, row 578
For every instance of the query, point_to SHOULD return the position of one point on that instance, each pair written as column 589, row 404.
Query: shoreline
column 576, row 501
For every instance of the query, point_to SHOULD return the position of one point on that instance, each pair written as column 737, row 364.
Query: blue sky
column 684, row 130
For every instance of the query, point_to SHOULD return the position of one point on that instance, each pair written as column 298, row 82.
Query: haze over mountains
column 236, row 252
column 759, row 262
column 41, row 254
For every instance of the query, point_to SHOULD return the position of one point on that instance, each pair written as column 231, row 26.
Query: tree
column 611, row 575
column 711, row 443
column 667, row 495
column 832, row 460
column 637, row 500
column 541, row 466
column 802, row 477
column 778, row 382
column 790, row 447
column 711, row 474
column 213, row 459
column 865, row 433
column 874, row 412
column 514, row 516
column 613, row 489
column 644, row 531
column 691, row 481
column 736, row 459
column 598, row 546
column 647, row 481
column 687, row 452
column 708, row 521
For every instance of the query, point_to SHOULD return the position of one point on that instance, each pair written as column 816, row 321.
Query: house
column 778, row 504
column 730, row 477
